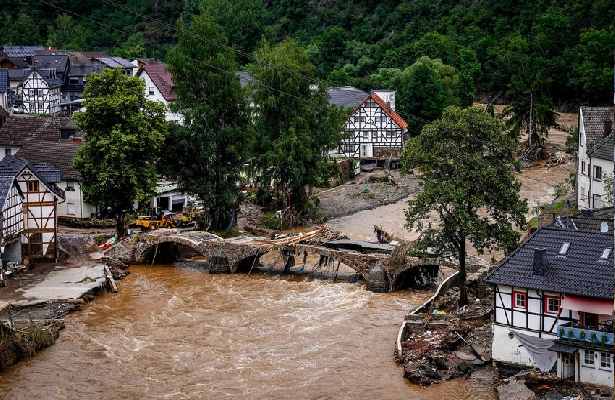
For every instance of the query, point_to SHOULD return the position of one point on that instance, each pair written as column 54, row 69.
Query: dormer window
column 564, row 249
column 605, row 254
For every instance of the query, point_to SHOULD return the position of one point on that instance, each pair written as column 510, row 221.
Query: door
column 567, row 365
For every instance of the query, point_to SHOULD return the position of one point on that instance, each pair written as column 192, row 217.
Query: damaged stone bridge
column 374, row 262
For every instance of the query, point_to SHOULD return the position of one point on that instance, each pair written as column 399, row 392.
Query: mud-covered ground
column 365, row 192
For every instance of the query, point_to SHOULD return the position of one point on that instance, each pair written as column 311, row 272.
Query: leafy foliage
column 466, row 164
column 207, row 153
column 295, row 125
column 124, row 132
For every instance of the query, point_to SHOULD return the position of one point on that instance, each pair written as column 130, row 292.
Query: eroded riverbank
column 180, row 333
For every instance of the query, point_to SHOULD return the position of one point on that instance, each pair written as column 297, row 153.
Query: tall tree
column 124, row 132
column 465, row 160
column 295, row 124
column 209, row 150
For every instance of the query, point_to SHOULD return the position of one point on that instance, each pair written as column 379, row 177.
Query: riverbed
column 181, row 333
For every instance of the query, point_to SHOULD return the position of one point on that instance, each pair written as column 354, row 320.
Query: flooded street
column 181, row 333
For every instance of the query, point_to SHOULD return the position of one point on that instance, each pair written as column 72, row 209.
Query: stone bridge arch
column 221, row 255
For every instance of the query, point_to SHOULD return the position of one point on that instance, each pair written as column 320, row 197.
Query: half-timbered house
column 40, row 92
column 373, row 130
column 36, row 185
column 553, row 303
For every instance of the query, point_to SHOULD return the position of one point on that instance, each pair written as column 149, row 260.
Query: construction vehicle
column 165, row 219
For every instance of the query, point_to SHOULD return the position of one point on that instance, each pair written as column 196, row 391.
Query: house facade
column 29, row 210
column 595, row 157
column 553, row 304
column 373, row 130
column 41, row 93
column 159, row 87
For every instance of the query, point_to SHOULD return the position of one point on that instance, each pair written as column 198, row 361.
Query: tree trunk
column 120, row 226
column 463, row 290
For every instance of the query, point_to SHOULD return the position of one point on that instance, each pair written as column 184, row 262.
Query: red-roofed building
column 159, row 86
column 373, row 131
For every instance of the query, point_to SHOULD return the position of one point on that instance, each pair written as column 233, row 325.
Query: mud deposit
column 180, row 333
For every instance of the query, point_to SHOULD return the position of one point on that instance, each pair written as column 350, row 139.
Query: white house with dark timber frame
column 41, row 93
column 373, row 129
column 31, row 199
column 553, row 304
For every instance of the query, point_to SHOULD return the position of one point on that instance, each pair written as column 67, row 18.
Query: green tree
column 295, row 125
column 465, row 160
column 209, row 150
column 241, row 21
column 133, row 47
column 124, row 132
column 424, row 90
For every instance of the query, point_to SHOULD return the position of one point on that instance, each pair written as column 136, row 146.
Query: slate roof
column 346, row 96
column 58, row 155
column 595, row 119
column 20, row 128
column 22, row 51
column 4, row 80
column 580, row 272
column 162, row 78
column 46, row 61
column 115, row 62
column 19, row 74
column 11, row 166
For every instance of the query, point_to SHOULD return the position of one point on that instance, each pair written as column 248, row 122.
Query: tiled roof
column 346, row 96
column 115, row 62
column 162, row 78
column 399, row 121
column 19, row 128
column 581, row 271
column 595, row 119
column 4, row 80
column 57, row 154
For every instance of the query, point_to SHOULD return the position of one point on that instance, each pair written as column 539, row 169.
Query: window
column 564, row 249
column 588, row 358
column 552, row 304
column 605, row 360
column 69, row 187
column 7, row 151
column 597, row 173
column 597, row 200
column 582, row 167
column 73, row 81
column 519, row 299
column 151, row 91
column 365, row 135
column 32, row 186
column 605, row 254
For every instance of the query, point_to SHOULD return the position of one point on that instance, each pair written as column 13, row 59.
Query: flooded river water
column 181, row 333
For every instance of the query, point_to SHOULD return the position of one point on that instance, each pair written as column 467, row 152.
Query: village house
column 553, row 302
column 595, row 157
column 159, row 87
column 29, row 205
column 53, row 141
column 4, row 89
column 373, row 131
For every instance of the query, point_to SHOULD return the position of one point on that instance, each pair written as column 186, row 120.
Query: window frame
column 514, row 299
column 546, row 304
column 35, row 188
column 593, row 358
column 596, row 177
column 609, row 367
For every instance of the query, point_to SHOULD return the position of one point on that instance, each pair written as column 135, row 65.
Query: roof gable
column 162, row 79
column 595, row 120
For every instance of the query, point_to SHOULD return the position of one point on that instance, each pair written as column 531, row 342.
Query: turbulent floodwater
column 180, row 333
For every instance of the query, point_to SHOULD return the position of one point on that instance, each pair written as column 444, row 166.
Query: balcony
column 597, row 335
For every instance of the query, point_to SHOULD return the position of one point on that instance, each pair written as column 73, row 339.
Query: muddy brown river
column 180, row 333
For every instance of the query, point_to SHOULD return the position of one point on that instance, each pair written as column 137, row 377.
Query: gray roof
column 115, row 62
column 11, row 166
column 346, row 97
column 59, row 62
column 599, row 143
column 4, row 80
column 19, row 74
column 580, row 272
column 22, row 51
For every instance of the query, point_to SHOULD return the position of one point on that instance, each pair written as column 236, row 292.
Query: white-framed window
column 151, row 91
column 582, row 167
column 605, row 360
column 597, row 173
column 589, row 358
column 552, row 304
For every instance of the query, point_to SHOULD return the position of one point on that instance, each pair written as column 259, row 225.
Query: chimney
column 541, row 263
column 388, row 96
